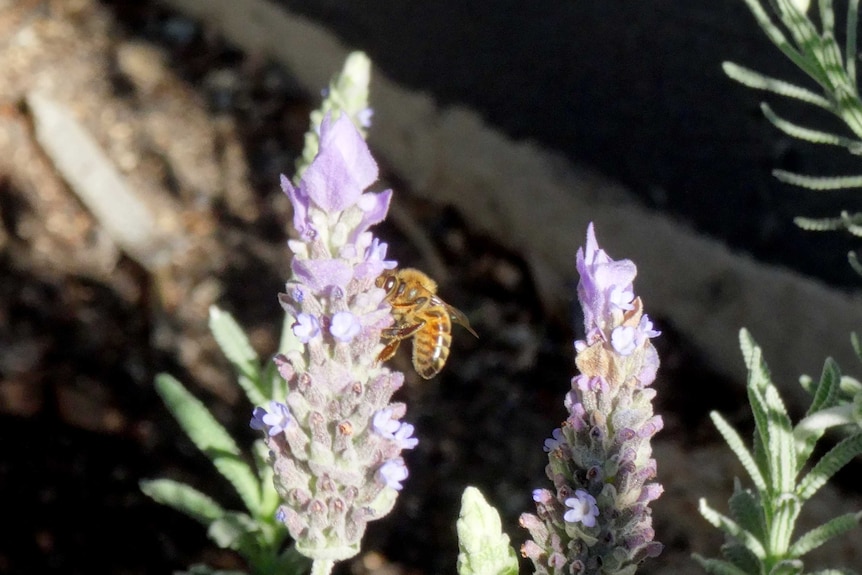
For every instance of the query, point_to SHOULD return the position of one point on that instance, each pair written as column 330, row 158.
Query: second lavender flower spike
column 596, row 519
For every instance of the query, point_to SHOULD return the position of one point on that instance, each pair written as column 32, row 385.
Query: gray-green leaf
column 183, row 498
column 829, row 464
column 211, row 438
column 820, row 535
column 236, row 347
column 483, row 547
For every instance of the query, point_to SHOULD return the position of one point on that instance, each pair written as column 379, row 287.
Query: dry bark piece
column 98, row 183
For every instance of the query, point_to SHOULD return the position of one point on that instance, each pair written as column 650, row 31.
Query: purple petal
column 583, row 509
column 383, row 423
column 392, row 473
column 300, row 201
column 364, row 117
column 404, row 436
column 375, row 261
column 374, row 208
column 605, row 284
column 306, row 327
column 624, row 339
column 257, row 419
column 342, row 169
column 285, row 368
column 320, row 274
column 554, row 441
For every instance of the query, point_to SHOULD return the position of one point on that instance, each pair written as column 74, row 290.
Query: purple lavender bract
column 596, row 519
column 333, row 469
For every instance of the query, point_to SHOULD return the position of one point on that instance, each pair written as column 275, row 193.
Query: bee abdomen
column 431, row 344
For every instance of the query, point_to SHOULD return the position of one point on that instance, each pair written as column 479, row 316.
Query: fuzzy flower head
column 335, row 437
column 597, row 519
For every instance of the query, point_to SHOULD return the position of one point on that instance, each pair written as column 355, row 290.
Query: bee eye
column 390, row 283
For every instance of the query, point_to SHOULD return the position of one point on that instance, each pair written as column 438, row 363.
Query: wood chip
column 97, row 182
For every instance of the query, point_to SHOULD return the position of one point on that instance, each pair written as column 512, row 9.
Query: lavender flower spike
column 596, row 519
column 334, row 470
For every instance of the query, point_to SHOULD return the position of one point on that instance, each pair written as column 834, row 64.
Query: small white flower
column 392, row 473
column 555, row 441
column 583, row 509
column 306, row 327
column 345, row 326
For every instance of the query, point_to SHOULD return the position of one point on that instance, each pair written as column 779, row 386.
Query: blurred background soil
column 200, row 132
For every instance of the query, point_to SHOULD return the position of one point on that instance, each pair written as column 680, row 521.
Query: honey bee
column 421, row 314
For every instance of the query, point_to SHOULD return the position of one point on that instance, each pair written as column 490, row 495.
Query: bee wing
column 458, row 316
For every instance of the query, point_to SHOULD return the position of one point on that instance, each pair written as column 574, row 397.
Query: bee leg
column 387, row 352
column 402, row 332
column 394, row 335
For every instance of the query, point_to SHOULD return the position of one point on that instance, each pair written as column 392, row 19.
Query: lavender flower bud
column 597, row 519
column 335, row 438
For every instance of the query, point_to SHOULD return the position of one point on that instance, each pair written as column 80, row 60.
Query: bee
column 421, row 314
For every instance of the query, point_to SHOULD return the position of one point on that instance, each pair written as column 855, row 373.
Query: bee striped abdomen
column 431, row 344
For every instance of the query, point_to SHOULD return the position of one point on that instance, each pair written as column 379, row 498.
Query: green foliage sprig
column 254, row 533
column 817, row 53
column 760, row 527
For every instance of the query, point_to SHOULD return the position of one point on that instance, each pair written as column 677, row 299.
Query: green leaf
column 827, row 390
column 762, row 438
column 747, row 511
column 820, row 535
column 786, row 510
column 846, row 221
column 773, row 439
column 718, row 567
column 758, row 81
column 733, row 529
column 184, row 498
column 782, row 445
column 234, row 531
column 236, row 347
column 850, row 42
column 738, row 447
column 777, row 37
column 829, row 465
column 748, row 347
column 857, row 344
column 211, row 438
column 809, row 135
column 834, row 572
column 825, row 396
column 483, row 547
column 787, row 567
column 827, row 16
column 742, row 557
column 819, row 183
column 807, row 383
column 292, row 562
column 850, row 387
